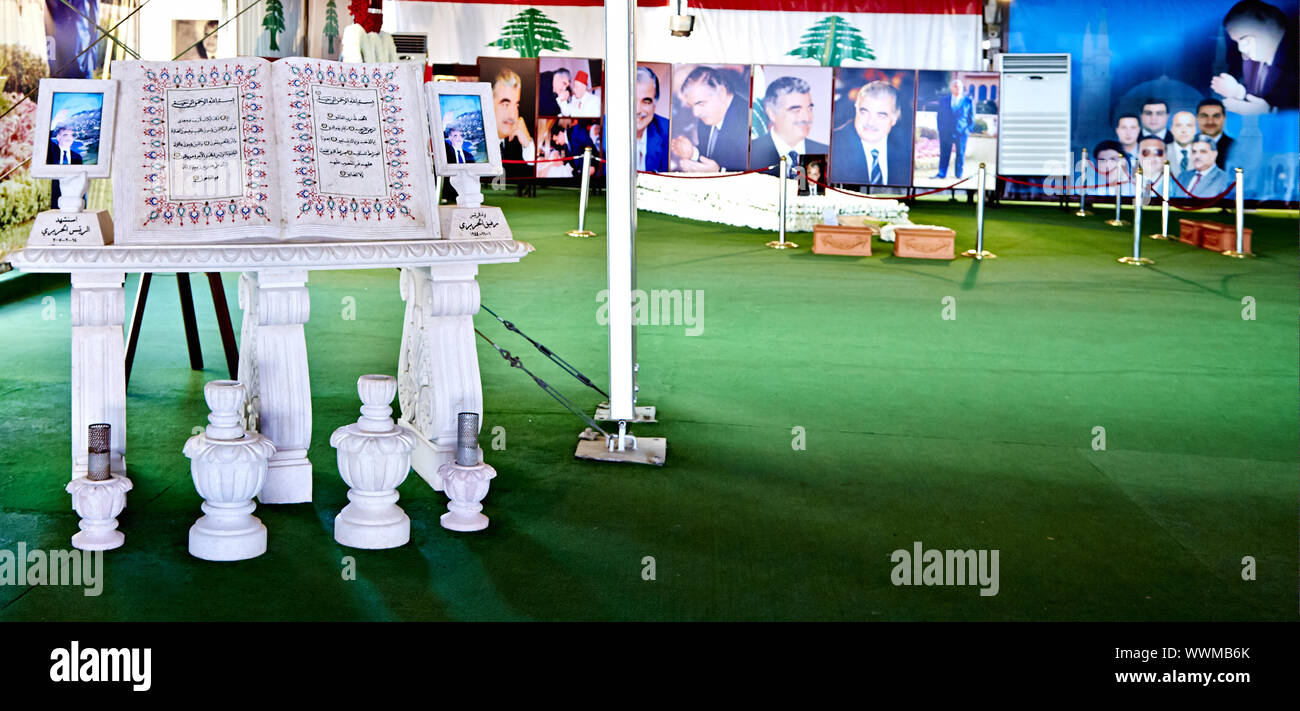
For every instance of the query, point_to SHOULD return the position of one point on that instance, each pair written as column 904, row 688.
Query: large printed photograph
column 956, row 128
column 1214, row 81
column 710, row 121
column 791, row 115
column 871, row 143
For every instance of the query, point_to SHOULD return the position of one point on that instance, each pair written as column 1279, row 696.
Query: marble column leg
column 438, row 366
column 273, row 370
column 98, row 364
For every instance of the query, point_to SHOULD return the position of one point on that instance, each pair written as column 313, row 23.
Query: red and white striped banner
column 913, row 34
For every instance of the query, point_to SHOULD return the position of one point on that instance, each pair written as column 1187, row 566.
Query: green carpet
column 970, row 433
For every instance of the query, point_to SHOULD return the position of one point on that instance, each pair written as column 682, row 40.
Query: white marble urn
column 374, row 457
column 98, row 503
column 465, row 486
column 229, row 468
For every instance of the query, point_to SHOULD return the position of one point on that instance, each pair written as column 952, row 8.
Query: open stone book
column 248, row 150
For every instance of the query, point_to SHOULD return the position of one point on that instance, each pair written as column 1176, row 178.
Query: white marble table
column 438, row 367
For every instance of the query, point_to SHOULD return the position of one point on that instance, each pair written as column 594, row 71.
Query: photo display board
column 514, row 104
column 570, row 107
column 858, row 126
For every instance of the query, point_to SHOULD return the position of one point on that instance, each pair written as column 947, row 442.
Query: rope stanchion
column 1240, row 251
column 1118, row 220
column 1164, row 203
column 1136, row 259
column 1083, row 193
column 979, row 253
column 582, row 231
column 779, row 242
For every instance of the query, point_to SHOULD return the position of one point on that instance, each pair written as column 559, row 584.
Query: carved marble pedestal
column 273, row 369
column 374, row 459
column 439, row 365
column 229, row 468
column 437, row 371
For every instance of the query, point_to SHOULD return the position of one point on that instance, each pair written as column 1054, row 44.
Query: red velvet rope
column 723, row 175
column 1200, row 203
column 888, row 197
column 541, row 160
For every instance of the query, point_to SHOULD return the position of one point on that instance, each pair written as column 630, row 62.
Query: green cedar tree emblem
column 530, row 32
column 831, row 41
column 274, row 21
column 331, row 24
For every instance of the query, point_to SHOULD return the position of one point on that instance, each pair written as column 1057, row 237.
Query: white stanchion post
column 979, row 252
column 1136, row 259
column 1164, row 203
column 1083, row 188
column 1240, row 252
column 1118, row 221
column 582, row 231
column 782, row 176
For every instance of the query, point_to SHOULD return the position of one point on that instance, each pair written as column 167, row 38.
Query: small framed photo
column 74, row 128
column 459, row 115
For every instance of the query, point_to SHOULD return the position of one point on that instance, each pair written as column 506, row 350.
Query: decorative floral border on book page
column 396, row 203
column 252, row 207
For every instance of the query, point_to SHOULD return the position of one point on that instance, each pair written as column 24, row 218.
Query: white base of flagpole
column 640, row 413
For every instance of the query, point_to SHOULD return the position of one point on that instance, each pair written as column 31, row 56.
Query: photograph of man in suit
column 1151, row 156
column 789, row 107
column 62, row 147
column 651, row 128
column 1155, row 119
column 1209, row 120
column 869, row 151
column 722, row 124
column 458, row 150
column 956, row 117
column 1183, row 129
column 1127, row 131
column 1205, row 179
column 512, row 130
column 1268, row 60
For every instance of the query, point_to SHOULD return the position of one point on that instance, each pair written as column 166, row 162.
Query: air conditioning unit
column 1034, row 128
column 411, row 47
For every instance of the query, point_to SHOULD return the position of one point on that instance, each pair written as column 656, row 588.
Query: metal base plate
column 640, row 413
column 1137, row 262
column 1160, row 236
column 580, row 233
column 1237, row 255
column 650, row 450
column 1082, row 213
column 982, row 254
column 776, row 244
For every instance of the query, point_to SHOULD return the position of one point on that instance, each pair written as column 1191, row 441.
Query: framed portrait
column 710, row 119
column 871, row 126
column 74, row 128
column 514, row 101
column 791, row 114
column 956, row 127
column 460, row 117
